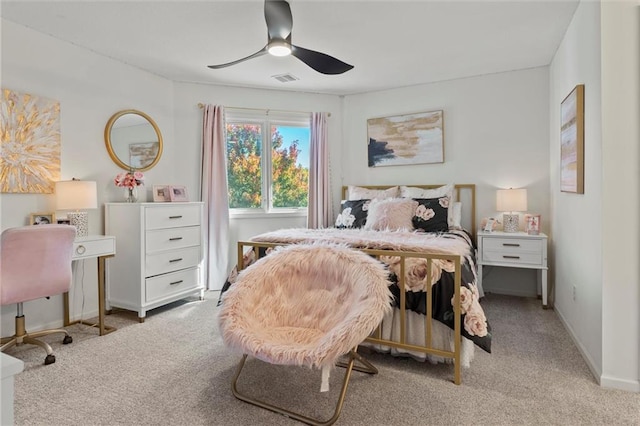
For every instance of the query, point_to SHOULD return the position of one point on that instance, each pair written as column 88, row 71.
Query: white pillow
column 454, row 216
column 360, row 193
column 391, row 214
column 416, row 192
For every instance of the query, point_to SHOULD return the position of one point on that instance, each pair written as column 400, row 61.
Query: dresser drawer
column 170, row 217
column 165, row 285
column 162, row 262
column 521, row 258
column 512, row 245
column 172, row 238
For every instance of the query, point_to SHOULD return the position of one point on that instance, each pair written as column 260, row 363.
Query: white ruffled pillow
column 360, row 193
column 391, row 214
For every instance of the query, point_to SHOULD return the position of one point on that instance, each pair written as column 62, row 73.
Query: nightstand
column 514, row 250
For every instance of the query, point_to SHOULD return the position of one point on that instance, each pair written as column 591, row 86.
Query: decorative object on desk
column 489, row 224
column 178, row 193
column 532, row 223
column 77, row 195
column 572, row 142
column 42, row 218
column 130, row 181
column 406, row 139
column 161, row 193
column 512, row 201
column 30, row 135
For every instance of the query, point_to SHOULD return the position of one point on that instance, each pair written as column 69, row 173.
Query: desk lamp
column 77, row 195
column 511, row 200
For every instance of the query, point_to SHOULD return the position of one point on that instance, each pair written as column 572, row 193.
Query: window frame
column 266, row 119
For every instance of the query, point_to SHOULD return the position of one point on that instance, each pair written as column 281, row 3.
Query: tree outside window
column 268, row 163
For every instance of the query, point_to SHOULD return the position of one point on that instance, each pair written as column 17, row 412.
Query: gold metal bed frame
column 462, row 192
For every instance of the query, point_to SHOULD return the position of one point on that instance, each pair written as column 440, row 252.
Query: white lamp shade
column 76, row 195
column 512, row 200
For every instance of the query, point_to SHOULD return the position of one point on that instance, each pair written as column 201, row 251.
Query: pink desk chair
column 35, row 262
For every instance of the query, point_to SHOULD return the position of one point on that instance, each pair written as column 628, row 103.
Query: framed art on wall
column 406, row 139
column 572, row 142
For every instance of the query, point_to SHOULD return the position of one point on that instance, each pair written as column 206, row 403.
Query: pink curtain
column 215, row 197
column 320, row 214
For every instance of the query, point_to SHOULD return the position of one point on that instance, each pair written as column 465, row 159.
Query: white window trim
column 266, row 119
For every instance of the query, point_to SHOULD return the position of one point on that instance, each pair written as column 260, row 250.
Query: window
column 267, row 161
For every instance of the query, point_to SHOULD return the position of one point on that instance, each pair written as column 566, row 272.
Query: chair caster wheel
column 50, row 359
column 67, row 340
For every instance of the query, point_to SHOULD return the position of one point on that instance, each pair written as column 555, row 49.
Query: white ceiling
column 390, row 43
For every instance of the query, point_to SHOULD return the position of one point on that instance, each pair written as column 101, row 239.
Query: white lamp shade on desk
column 77, row 195
column 511, row 200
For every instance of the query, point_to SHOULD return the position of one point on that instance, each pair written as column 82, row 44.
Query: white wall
column 620, row 22
column 596, row 248
column 188, row 125
column 577, row 244
column 496, row 136
column 90, row 89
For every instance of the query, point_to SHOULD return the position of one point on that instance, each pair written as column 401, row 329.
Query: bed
column 434, row 245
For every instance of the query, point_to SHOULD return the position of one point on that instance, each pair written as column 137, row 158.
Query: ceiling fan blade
column 320, row 62
column 277, row 13
column 228, row 64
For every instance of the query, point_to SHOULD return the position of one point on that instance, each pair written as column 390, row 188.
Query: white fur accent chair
column 305, row 305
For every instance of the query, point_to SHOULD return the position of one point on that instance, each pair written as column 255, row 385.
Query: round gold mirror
column 133, row 140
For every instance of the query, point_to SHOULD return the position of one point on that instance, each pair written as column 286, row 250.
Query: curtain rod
column 201, row 105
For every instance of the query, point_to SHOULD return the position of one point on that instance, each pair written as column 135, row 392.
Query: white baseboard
column 603, row 380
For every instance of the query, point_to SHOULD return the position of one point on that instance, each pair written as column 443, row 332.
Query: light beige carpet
column 174, row 370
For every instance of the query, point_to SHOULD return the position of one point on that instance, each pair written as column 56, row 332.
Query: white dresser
column 159, row 258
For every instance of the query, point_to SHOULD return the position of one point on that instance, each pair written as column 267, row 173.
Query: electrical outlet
column 574, row 293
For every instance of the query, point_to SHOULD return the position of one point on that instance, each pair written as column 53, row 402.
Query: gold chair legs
column 366, row 367
column 22, row 337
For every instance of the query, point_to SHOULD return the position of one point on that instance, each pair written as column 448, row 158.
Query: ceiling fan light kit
column 279, row 48
column 277, row 14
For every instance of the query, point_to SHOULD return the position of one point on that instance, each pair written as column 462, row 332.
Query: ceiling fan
column 277, row 13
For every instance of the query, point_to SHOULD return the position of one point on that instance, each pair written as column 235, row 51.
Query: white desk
column 10, row 367
column 89, row 247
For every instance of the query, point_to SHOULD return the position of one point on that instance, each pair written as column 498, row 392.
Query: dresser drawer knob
column 81, row 249
column 175, row 239
column 175, row 217
column 511, row 257
column 510, row 245
column 175, row 282
column 175, row 260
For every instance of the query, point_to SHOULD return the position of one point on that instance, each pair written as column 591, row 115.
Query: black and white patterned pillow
column 431, row 214
column 353, row 214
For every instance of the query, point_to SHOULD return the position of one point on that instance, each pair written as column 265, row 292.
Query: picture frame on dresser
column 178, row 193
column 161, row 193
column 532, row 223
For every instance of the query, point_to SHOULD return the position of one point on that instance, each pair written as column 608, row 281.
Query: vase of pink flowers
column 130, row 181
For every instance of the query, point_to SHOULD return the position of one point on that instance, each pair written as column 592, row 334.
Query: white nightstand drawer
column 512, row 245
column 172, row 238
column 165, row 285
column 174, row 216
column 516, row 258
column 170, row 261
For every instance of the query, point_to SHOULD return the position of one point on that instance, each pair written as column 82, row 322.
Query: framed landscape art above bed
column 406, row 139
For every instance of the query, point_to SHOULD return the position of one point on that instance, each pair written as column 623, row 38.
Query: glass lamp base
column 511, row 222
column 81, row 221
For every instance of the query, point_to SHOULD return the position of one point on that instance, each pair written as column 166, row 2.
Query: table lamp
column 511, row 200
column 77, row 195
